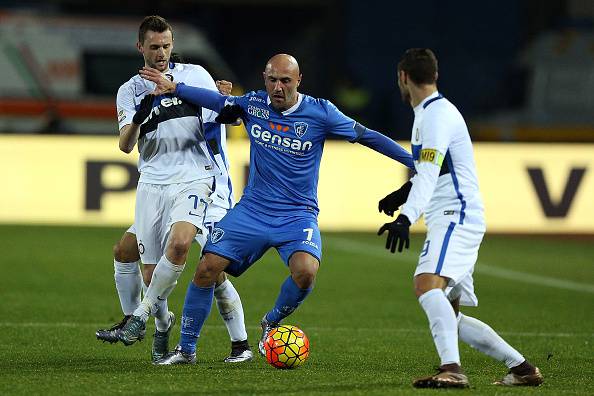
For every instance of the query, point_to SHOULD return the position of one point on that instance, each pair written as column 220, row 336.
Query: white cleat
column 177, row 356
column 239, row 356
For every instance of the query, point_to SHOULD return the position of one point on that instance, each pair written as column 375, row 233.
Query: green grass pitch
column 368, row 334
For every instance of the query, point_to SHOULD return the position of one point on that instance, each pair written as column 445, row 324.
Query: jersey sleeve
column 199, row 77
column 125, row 105
column 340, row 125
column 436, row 135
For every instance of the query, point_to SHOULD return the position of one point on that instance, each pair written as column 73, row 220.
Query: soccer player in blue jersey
column 279, row 207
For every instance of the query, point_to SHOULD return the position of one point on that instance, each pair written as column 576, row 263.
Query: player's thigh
column 300, row 234
column 149, row 213
column 189, row 203
column 450, row 251
column 241, row 237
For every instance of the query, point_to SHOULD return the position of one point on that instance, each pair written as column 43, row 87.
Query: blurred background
column 520, row 72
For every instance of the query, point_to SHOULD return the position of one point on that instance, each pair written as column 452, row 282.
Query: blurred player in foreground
column 183, row 191
column 279, row 207
column 445, row 189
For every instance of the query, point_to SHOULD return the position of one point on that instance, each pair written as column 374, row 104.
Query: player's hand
column 225, row 87
column 229, row 114
column 391, row 202
column 164, row 85
column 398, row 233
column 144, row 109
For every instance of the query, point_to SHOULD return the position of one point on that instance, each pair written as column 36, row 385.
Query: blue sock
column 196, row 309
column 290, row 297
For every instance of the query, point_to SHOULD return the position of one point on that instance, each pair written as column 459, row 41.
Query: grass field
column 368, row 334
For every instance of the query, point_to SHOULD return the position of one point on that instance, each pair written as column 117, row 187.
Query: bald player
column 279, row 207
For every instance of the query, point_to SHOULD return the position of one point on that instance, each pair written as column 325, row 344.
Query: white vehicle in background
column 60, row 74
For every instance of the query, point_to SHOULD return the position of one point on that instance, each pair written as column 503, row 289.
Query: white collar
column 292, row 108
column 421, row 105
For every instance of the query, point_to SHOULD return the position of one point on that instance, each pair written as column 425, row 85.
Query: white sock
column 443, row 325
column 161, row 311
column 231, row 310
column 128, row 282
column 483, row 338
column 164, row 279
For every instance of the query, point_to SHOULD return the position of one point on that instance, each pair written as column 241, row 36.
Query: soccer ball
column 286, row 347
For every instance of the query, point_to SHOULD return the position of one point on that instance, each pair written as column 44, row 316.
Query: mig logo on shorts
column 217, row 235
column 300, row 128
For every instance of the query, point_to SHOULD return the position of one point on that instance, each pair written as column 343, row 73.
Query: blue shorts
column 245, row 234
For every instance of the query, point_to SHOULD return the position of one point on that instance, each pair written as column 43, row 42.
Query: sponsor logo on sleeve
column 256, row 99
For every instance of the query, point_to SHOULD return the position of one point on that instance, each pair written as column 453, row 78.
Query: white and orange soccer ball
column 287, row 347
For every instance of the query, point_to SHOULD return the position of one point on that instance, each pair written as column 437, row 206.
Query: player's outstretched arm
column 203, row 97
column 386, row 146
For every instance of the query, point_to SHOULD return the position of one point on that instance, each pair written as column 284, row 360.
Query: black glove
column 397, row 232
column 229, row 114
column 392, row 201
column 144, row 109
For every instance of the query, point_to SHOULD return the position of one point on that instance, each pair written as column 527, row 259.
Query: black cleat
column 110, row 335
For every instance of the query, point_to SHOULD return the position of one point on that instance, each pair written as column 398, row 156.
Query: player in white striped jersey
column 184, row 189
column 445, row 190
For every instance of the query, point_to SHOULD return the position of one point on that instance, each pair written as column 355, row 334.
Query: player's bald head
column 282, row 78
column 284, row 63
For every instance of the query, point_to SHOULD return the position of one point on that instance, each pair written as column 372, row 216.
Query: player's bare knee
column 206, row 275
column 177, row 249
column 304, row 272
column 123, row 254
column 304, row 279
column 126, row 250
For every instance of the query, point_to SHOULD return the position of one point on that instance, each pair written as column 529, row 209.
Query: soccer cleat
column 161, row 340
column 240, row 352
column 443, row 379
column 110, row 335
column 511, row 379
column 266, row 327
column 134, row 330
column 177, row 356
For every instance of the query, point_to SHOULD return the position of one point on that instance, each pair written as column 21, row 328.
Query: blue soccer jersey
column 286, row 148
column 279, row 206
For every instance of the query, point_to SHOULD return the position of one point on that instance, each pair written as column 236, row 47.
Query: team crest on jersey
column 300, row 128
column 216, row 235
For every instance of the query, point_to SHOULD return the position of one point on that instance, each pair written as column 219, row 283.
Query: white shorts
column 159, row 206
column 451, row 251
column 214, row 214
